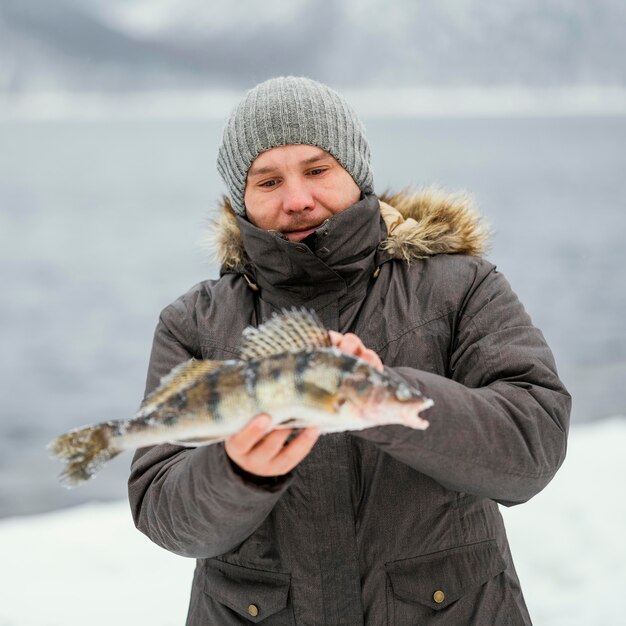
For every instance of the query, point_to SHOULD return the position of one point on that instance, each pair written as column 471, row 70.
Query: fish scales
column 276, row 382
column 287, row 369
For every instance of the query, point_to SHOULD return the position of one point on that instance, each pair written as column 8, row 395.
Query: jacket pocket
column 458, row 586
column 242, row 595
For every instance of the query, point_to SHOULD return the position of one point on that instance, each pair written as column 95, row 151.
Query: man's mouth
column 299, row 235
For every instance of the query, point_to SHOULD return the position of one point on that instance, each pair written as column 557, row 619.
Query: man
column 383, row 526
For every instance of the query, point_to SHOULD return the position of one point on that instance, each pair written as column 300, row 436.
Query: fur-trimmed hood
column 419, row 224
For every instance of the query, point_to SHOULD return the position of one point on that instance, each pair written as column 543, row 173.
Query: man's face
column 293, row 189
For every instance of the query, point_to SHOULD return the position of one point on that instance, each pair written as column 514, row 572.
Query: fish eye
column 403, row 393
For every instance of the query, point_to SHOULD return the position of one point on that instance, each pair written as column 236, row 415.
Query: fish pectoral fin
column 292, row 422
column 326, row 397
column 294, row 329
column 196, row 442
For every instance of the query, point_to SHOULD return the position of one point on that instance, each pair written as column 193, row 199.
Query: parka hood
column 419, row 224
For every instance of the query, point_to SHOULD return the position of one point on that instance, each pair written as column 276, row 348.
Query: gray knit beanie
column 291, row 110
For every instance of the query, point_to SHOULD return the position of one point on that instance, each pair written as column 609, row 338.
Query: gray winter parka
column 386, row 525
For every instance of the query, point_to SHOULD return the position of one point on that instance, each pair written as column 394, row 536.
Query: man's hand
column 261, row 453
column 352, row 345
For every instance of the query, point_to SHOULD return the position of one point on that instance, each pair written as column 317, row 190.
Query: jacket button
column 439, row 596
column 253, row 610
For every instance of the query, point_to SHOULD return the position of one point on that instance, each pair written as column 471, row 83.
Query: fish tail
column 85, row 451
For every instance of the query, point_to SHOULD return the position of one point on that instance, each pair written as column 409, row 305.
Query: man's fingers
column 348, row 343
column 264, row 453
column 352, row 345
column 270, row 445
column 295, row 451
column 250, row 435
column 335, row 337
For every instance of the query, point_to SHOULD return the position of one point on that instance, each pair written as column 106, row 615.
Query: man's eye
column 317, row 171
column 268, row 183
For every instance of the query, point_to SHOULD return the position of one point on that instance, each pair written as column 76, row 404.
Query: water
column 101, row 226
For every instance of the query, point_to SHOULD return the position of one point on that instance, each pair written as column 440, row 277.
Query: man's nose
column 298, row 197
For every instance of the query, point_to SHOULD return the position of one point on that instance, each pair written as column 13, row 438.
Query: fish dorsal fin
column 179, row 378
column 291, row 330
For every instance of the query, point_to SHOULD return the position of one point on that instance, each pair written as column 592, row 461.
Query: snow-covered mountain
column 163, row 44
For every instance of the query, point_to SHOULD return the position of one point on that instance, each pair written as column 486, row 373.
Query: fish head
column 378, row 399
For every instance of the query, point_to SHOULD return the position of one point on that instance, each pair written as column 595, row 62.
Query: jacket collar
column 350, row 245
column 419, row 224
column 339, row 258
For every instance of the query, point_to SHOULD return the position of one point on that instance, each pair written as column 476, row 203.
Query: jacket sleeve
column 193, row 501
column 498, row 427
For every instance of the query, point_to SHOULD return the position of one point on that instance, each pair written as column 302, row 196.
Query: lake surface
column 101, row 226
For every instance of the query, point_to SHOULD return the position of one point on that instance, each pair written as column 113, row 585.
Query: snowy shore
column 88, row 565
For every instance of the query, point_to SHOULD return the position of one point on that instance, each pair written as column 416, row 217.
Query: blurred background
column 111, row 114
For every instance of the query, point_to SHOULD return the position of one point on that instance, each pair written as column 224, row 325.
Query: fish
column 287, row 367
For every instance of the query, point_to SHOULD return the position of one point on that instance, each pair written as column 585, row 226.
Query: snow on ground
column 88, row 565
column 569, row 542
